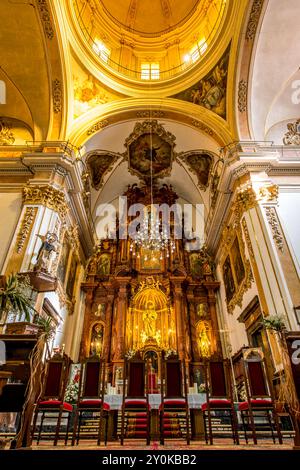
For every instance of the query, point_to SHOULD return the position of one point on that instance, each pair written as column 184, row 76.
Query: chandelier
column 153, row 237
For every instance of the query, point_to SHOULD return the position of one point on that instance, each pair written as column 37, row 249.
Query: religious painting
column 104, row 265
column 202, row 310
column 200, row 164
column 210, row 91
column 63, row 262
column 150, row 260
column 195, row 265
column 99, row 164
column 97, row 338
column 228, row 279
column 72, row 276
column 237, row 261
column 150, row 150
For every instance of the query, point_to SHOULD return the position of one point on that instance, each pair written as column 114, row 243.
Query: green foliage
column 274, row 322
column 13, row 296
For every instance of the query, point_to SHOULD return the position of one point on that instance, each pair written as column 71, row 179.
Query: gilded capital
column 46, row 196
column 245, row 200
column 268, row 193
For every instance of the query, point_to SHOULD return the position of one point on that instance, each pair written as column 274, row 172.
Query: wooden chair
column 174, row 409
column 219, row 400
column 91, row 399
column 135, row 420
column 52, row 398
column 260, row 400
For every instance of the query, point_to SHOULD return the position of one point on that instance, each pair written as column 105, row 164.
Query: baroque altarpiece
column 140, row 302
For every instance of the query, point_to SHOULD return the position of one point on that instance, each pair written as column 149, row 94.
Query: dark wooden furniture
column 174, row 412
column 52, row 402
column 135, row 420
column 13, row 394
column 219, row 406
column 260, row 401
column 91, row 400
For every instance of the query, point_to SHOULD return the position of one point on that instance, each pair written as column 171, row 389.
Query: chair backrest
column 173, row 378
column 256, row 374
column 136, row 378
column 218, row 379
column 91, row 378
column 55, row 380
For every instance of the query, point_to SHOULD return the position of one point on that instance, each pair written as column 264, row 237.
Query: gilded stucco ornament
column 268, row 193
column 25, row 228
column 46, row 196
column 6, row 134
column 273, row 221
column 292, row 137
column 254, row 19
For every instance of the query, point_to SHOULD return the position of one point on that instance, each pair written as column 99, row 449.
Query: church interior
column 150, row 183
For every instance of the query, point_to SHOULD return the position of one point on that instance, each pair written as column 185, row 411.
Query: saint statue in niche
column 149, row 319
column 203, row 330
column 97, row 339
column 202, row 310
column 49, row 245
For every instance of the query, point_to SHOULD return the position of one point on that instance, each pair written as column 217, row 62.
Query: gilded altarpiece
column 164, row 306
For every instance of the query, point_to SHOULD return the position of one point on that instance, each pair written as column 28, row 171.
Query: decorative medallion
column 199, row 163
column 292, row 137
column 210, row 91
column 150, row 150
column 99, row 164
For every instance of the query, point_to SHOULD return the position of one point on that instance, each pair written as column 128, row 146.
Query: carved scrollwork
column 25, row 228
column 275, row 227
column 46, row 196
column 254, row 18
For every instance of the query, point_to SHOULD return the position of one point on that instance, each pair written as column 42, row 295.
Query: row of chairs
column 174, row 417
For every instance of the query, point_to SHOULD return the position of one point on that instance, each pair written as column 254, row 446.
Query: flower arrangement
column 274, row 322
column 72, row 389
column 202, row 388
column 130, row 353
column 169, row 353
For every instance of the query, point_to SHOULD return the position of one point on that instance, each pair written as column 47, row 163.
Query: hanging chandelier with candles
column 153, row 236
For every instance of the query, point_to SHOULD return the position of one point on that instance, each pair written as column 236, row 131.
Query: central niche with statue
column 150, row 318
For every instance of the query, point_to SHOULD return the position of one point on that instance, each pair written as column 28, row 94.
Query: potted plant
column 14, row 298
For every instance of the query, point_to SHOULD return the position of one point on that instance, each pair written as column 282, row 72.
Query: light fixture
column 153, row 236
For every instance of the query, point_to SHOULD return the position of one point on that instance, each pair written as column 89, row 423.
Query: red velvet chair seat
column 217, row 404
column 177, row 402
column 136, row 402
column 55, row 404
column 93, row 403
column 258, row 403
